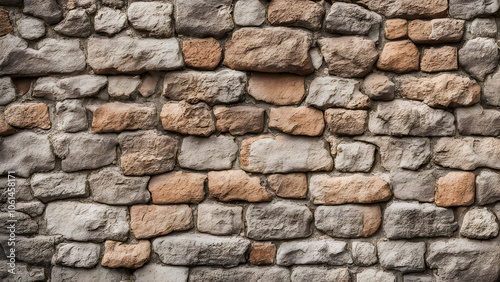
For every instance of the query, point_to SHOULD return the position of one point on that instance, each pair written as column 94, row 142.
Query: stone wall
column 220, row 140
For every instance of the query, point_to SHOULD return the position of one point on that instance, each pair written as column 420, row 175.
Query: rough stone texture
column 443, row 91
column 131, row 55
column 31, row 28
column 149, row 84
column 326, row 190
column 354, row 157
column 232, row 185
column 153, row 220
column 36, row 250
column 276, row 49
column 24, row 224
column 396, row 29
column 242, row 273
column 160, row 272
column 76, row 24
column 399, row 57
column 225, row 86
column 123, row 87
column 348, row 56
column 403, row 256
column 219, row 219
column 479, row 223
column 370, row 274
column 203, row 19
column 47, row 10
column 479, row 57
column 29, row 115
column 5, row 128
column 58, row 185
column 321, row 274
column 439, row 59
column 436, row 31
column 110, row 21
column 478, row 121
column 119, row 254
column 418, row 278
column 8, row 91
column 378, row 87
column 301, row 13
column 402, row 117
column 409, row 220
column 323, row 251
column 297, row 120
column 62, row 274
column 406, row 8
column 292, row 185
column 117, row 116
column 87, row 221
column 490, row 87
column 347, row 18
column 26, row 153
column 186, row 118
column 482, row 27
column 84, row 255
column 203, row 54
column 262, row 253
column 201, row 249
column 265, row 155
column 249, row 13
column 177, row 187
column 348, row 221
column 5, row 26
column 346, row 122
column 413, row 185
column 80, row 86
column 276, row 89
column 364, row 253
column 240, row 120
column 467, row 153
column 278, row 221
column 326, row 92
column 147, row 153
column 213, row 153
column 71, row 116
column 463, row 9
column 463, row 259
column 152, row 17
column 34, row 208
column 487, row 187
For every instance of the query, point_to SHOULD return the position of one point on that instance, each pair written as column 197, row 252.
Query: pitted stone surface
column 324, row 251
column 348, row 221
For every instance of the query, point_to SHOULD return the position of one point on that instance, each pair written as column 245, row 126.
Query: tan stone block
column 293, row 185
column 28, row 115
column 443, row 30
column 419, row 31
column 297, row 121
column 148, row 85
column 396, row 29
column 177, row 187
column 120, row 254
column 149, row 221
column 203, row 54
column 276, row 89
column 233, row 185
column 240, row 120
column 346, row 122
column 262, row 253
column 5, row 128
column 186, row 118
column 302, row 13
column 22, row 85
column 439, row 59
column 399, row 57
column 117, row 116
column 456, row 188
column 5, row 26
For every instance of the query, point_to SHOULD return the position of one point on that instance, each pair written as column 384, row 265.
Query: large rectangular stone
column 327, row 251
column 468, row 153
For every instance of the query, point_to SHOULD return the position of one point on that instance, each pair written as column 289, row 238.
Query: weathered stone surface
column 86, row 221
column 153, row 17
column 117, row 116
column 401, row 117
column 109, row 21
column 26, row 153
column 278, row 221
column 77, row 254
column 409, row 220
column 84, row 151
column 369, row 275
column 320, row 274
column 465, row 260
column 177, row 187
column 76, row 23
column 403, row 256
column 218, row 219
column 466, row 10
column 233, row 185
column 23, row 273
column 323, row 251
column 80, row 86
column 187, row 118
column 418, row 278
column 442, row 91
column 213, row 153
column 62, row 274
column 203, row 54
column 203, row 19
column 147, row 153
column 347, row 18
column 326, row 92
column 482, row 27
column 348, row 221
column 406, row 8
column 468, row 153
column 266, row 155
column 413, row 185
column 23, row 190
column 478, row 121
column 114, row 3
column 71, row 116
column 130, row 55
column 457, row 188
column 242, row 273
column 292, row 185
column 31, row 28
column 201, row 249
column 399, row 57
column 5, row 26
column 262, row 253
column 378, row 87
column 326, row 190
column 436, row 31
column 110, row 186
column 396, row 29
column 249, row 13
column 301, row 13
column 29, row 115
column 123, row 87
column 240, row 120
column 277, row 49
column 224, row 86
column 348, row 56
column 354, row 157
column 490, row 89
column 119, row 254
column 33, row 209
column 58, row 185
column 24, row 224
column 487, row 187
column 364, row 253
column 153, row 220
column 297, row 120
column 5, row 128
column 439, row 59
column 160, row 272
column 276, row 89
column 316, row 57
column 47, row 10
column 34, row 250
column 479, row 223
column 346, row 122
column 479, row 57
column 8, row 91
column 149, row 84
